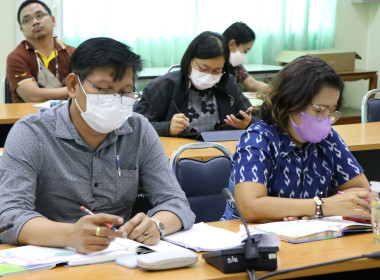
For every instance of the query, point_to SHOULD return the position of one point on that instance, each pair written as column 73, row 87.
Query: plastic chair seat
column 203, row 181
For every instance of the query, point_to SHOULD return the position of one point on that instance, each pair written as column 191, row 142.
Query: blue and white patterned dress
column 264, row 155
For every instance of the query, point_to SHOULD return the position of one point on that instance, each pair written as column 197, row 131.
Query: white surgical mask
column 104, row 116
column 237, row 58
column 203, row 80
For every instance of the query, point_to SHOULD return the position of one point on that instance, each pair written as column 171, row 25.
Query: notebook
column 10, row 269
column 300, row 231
column 31, row 256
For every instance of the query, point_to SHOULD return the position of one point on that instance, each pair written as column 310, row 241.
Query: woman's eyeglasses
column 324, row 112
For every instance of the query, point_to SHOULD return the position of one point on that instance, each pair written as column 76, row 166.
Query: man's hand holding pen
column 92, row 233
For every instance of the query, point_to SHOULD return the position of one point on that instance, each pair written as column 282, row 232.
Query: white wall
column 357, row 29
column 7, row 35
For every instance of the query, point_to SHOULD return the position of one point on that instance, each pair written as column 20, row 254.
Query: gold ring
column 97, row 233
column 146, row 235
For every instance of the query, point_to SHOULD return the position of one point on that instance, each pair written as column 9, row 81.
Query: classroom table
column 358, row 137
column 289, row 256
column 12, row 112
column 257, row 70
column 263, row 71
column 358, row 74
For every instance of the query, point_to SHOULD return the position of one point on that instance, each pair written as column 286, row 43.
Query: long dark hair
column 205, row 46
column 294, row 88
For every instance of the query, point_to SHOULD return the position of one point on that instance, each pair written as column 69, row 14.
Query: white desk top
column 153, row 72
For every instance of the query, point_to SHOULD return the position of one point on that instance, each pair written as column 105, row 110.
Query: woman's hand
column 84, row 235
column 347, row 204
column 178, row 124
column 142, row 229
column 238, row 123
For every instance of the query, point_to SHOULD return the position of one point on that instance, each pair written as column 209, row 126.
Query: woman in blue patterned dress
column 292, row 163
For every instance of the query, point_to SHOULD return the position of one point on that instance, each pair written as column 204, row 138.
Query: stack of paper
column 203, row 237
column 49, row 103
column 31, row 257
column 312, row 230
column 10, row 269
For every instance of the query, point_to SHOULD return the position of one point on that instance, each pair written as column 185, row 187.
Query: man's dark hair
column 205, row 46
column 103, row 52
column 28, row 2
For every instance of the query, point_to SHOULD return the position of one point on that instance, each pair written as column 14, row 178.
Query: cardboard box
column 340, row 60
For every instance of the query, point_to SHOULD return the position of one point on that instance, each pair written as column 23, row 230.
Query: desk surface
column 357, row 136
column 154, row 72
column 289, row 256
column 12, row 112
column 360, row 136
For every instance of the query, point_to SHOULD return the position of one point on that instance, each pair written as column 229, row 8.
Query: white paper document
column 32, row 256
column 203, row 237
column 49, row 103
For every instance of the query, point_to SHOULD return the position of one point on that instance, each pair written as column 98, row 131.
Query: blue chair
column 203, row 181
column 6, row 90
column 370, row 108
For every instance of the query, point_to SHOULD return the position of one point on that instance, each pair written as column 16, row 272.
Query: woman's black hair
column 240, row 32
column 205, row 46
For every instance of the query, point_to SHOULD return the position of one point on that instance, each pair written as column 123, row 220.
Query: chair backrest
column 173, row 67
column 203, row 181
column 6, row 90
column 370, row 108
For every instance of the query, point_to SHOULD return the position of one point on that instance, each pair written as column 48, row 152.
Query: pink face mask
column 311, row 129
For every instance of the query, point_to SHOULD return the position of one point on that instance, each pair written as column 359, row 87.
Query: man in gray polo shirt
column 94, row 152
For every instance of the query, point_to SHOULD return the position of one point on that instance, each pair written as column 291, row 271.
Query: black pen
column 6, row 227
column 175, row 106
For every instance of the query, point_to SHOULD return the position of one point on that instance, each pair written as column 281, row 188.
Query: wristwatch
column 160, row 226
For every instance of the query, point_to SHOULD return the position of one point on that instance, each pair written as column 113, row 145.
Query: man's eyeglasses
column 108, row 95
column 38, row 16
column 209, row 71
column 324, row 112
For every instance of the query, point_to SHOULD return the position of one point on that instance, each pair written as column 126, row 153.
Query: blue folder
column 219, row 136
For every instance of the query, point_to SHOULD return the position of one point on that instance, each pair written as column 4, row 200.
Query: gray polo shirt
column 48, row 170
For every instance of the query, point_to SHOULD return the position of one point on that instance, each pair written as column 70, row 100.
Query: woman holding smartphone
column 202, row 96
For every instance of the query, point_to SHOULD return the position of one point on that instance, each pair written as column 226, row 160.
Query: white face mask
column 237, row 58
column 203, row 80
column 104, row 116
